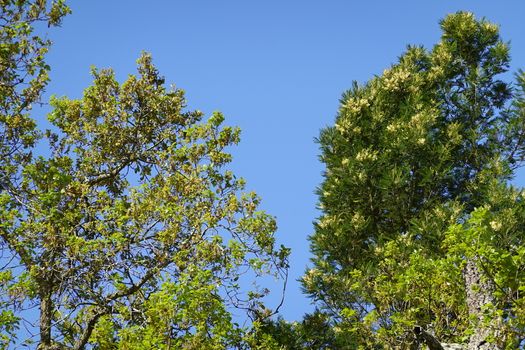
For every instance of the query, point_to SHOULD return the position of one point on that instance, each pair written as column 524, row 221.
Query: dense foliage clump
column 416, row 197
column 130, row 232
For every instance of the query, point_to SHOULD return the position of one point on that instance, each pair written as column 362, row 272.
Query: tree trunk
column 479, row 293
column 46, row 312
column 46, row 319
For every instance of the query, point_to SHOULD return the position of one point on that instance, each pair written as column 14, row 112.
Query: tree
column 315, row 331
column 23, row 77
column 420, row 229
column 23, row 73
column 130, row 232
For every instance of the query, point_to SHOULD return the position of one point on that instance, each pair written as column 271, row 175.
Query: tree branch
column 424, row 337
column 86, row 333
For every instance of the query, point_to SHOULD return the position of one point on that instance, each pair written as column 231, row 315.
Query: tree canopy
column 419, row 224
column 122, row 227
column 130, row 233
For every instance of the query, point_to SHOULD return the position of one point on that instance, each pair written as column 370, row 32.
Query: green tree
column 23, row 73
column 315, row 331
column 23, row 77
column 419, row 224
column 130, row 233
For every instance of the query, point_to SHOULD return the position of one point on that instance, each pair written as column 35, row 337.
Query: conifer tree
column 420, row 229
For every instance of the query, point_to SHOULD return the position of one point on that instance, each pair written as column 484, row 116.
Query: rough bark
column 46, row 321
column 46, row 311
column 479, row 293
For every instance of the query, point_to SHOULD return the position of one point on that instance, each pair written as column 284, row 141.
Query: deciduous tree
column 130, row 232
column 23, row 77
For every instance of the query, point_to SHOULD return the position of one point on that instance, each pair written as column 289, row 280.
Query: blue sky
column 274, row 68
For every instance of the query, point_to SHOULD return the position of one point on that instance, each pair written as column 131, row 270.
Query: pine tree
column 420, row 228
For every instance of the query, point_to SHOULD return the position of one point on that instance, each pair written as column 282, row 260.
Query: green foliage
column 493, row 236
column 314, row 332
column 23, row 77
column 132, row 233
column 413, row 152
column 23, row 71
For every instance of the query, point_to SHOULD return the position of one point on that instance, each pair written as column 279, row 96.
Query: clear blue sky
column 276, row 68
